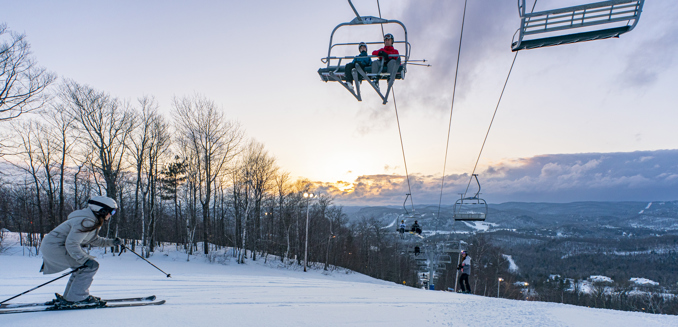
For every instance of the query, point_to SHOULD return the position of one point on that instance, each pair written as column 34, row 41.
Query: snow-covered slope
column 257, row 294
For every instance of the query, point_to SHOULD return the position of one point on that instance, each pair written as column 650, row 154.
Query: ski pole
column 156, row 267
column 35, row 288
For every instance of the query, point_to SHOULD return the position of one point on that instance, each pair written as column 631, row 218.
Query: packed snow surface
column 480, row 225
column 257, row 294
column 643, row 281
column 512, row 264
column 600, row 279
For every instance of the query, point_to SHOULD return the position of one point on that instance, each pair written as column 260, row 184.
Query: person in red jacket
column 389, row 56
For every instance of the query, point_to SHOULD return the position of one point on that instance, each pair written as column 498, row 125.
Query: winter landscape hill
column 625, row 241
column 268, row 293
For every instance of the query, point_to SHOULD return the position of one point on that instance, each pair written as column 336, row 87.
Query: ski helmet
column 102, row 204
column 362, row 44
column 389, row 36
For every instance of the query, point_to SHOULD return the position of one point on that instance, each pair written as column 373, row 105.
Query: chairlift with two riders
column 335, row 72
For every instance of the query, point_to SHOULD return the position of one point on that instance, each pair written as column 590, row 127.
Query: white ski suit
column 62, row 249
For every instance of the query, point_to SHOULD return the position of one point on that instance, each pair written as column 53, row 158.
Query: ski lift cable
column 494, row 115
column 402, row 147
column 449, row 127
column 490, row 126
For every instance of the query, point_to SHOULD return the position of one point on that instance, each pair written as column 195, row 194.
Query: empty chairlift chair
column 588, row 22
column 470, row 208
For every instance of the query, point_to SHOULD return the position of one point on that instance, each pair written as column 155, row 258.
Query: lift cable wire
column 449, row 128
column 402, row 147
column 490, row 127
column 495, row 114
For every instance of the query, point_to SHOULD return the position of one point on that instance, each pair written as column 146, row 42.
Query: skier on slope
column 62, row 249
column 465, row 268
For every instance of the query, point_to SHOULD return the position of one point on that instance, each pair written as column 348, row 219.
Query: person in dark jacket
column 465, row 268
column 62, row 249
column 416, row 228
column 363, row 61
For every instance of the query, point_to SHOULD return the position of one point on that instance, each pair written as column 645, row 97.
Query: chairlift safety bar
column 368, row 20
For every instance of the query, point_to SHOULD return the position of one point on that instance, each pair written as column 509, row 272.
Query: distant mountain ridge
column 660, row 216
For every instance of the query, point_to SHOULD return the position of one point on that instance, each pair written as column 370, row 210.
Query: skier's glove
column 383, row 54
column 459, row 267
column 117, row 241
column 92, row 264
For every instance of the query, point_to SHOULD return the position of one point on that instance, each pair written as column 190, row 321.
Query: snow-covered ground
column 513, row 267
column 480, row 225
column 643, row 281
column 648, row 207
column 257, row 294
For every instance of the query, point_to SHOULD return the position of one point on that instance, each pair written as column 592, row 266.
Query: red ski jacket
column 389, row 50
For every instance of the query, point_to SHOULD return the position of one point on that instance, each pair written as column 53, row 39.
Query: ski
column 84, row 306
column 25, row 305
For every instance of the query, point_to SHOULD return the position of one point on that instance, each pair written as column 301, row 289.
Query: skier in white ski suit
column 62, row 247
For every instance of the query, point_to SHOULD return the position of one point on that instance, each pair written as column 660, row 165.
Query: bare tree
column 160, row 141
column 106, row 124
column 22, row 82
column 148, row 142
column 212, row 142
column 282, row 190
column 26, row 132
column 61, row 132
column 260, row 169
column 46, row 153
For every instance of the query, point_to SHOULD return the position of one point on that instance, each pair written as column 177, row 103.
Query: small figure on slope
column 62, row 249
column 465, row 268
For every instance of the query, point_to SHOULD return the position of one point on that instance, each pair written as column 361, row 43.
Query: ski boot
column 90, row 300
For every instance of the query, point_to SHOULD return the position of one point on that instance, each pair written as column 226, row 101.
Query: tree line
column 193, row 179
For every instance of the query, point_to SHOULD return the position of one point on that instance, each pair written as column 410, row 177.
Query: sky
column 258, row 60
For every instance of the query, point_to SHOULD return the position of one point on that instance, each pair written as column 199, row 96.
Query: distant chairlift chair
column 594, row 21
column 337, row 73
column 470, row 208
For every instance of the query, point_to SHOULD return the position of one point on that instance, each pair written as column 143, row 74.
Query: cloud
column 655, row 55
column 641, row 72
column 623, row 176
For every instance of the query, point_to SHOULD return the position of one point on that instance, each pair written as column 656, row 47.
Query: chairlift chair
column 335, row 72
column 470, row 208
column 588, row 22
column 445, row 259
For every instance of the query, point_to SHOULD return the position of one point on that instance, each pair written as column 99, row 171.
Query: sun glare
column 345, row 187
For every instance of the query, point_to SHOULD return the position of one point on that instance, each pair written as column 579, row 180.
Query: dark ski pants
column 349, row 69
column 463, row 283
column 78, row 285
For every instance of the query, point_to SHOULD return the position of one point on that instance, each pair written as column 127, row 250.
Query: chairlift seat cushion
column 469, row 216
column 324, row 73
